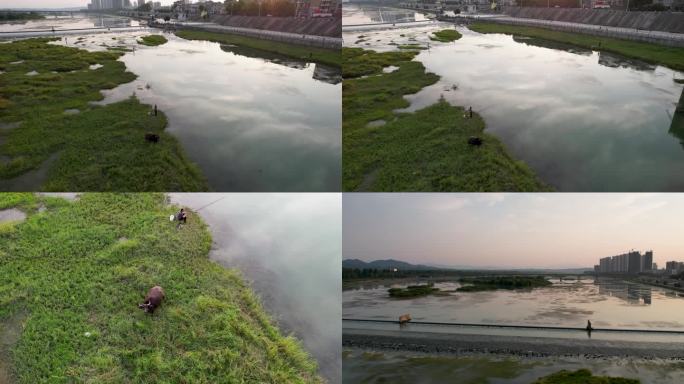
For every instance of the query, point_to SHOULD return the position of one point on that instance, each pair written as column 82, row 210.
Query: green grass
column 446, row 35
column 75, row 272
column 477, row 284
column 100, row 148
column 422, row 151
column 582, row 376
column 329, row 57
column 152, row 40
column 672, row 57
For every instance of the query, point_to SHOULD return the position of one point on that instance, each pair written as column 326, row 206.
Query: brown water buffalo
column 154, row 298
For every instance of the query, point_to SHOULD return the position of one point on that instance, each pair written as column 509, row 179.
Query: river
column 252, row 121
column 582, row 120
column 289, row 247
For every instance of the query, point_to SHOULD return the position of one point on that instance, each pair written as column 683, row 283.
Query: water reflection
column 354, row 14
column 634, row 294
column 582, row 122
column 321, row 72
column 251, row 124
column 677, row 125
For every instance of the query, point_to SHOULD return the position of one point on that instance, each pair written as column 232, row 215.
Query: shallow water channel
column 289, row 248
column 582, row 120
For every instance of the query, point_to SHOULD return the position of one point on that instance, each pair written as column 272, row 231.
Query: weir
column 518, row 326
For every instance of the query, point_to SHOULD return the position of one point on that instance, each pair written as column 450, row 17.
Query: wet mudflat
column 582, row 120
column 292, row 264
column 403, row 367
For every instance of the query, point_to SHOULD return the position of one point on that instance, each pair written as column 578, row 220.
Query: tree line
column 7, row 16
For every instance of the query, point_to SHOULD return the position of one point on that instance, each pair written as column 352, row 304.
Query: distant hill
column 384, row 264
column 402, row 265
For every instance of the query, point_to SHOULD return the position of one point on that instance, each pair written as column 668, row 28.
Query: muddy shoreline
column 457, row 344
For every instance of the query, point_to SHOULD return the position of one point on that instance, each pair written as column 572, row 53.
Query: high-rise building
column 647, row 262
column 633, row 262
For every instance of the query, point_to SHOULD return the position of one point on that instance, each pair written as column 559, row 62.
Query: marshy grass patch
column 153, row 40
column 426, row 150
column 446, row 35
column 99, row 147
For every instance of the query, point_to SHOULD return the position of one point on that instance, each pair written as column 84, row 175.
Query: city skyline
column 510, row 230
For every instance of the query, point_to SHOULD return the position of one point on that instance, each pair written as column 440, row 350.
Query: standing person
column 181, row 217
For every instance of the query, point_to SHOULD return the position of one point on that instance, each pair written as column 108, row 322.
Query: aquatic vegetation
column 411, row 46
column 426, row 150
column 413, row 291
column 446, row 35
column 491, row 283
column 582, row 376
column 672, row 57
column 75, row 272
column 152, row 40
column 330, row 57
column 90, row 147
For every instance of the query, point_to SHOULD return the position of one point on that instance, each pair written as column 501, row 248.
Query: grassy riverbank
column 672, row 57
column 64, row 142
column 72, row 274
column 152, row 40
column 477, row 284
column 423, row 151
column 329, row 57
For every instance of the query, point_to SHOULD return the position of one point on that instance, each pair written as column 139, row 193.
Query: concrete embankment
column 434, row 342
column 285, row 37
column 331, row 27
column 652, row 21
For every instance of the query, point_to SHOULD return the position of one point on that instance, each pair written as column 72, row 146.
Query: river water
column 582, row 120
column 252, row 121
column 289, row 247
column 608, row 303
column 72, row 21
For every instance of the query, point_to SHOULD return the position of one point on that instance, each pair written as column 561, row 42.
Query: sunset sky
column 511, row 230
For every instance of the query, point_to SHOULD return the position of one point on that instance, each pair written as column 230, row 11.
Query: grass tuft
column 152, row 40
column 446, row 35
